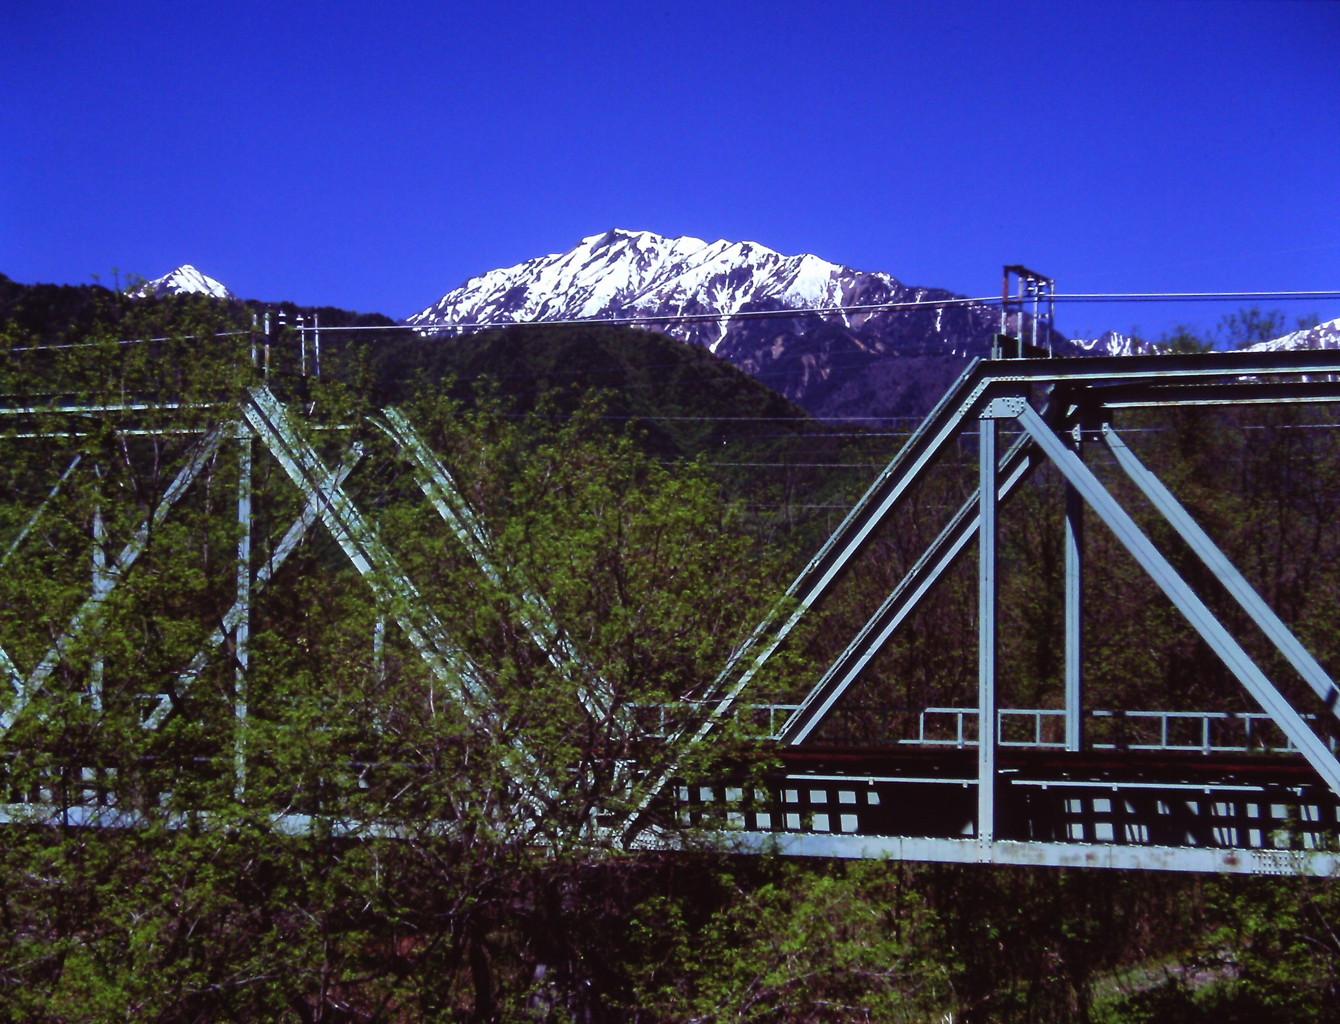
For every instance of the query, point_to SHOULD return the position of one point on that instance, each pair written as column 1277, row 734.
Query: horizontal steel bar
column 1289, row 863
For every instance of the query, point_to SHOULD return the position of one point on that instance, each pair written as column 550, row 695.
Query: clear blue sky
column 374, row 156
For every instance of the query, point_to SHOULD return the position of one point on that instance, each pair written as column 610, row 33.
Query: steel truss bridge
column 1069, row 784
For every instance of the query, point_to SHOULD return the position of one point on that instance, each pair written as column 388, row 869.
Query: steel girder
column 259, row 424
column 263, row 418
column 1081, row 396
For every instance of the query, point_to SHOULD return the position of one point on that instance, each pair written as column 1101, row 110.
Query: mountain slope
column 1323, row 335
column 765, row 312
column 684, row 399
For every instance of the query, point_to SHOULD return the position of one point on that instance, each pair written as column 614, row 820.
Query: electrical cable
column 677, row 318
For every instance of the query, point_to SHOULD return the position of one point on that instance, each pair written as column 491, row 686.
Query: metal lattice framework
column 1262, row 813
column 974, row 794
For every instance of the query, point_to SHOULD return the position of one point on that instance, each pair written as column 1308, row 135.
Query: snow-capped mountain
column 761, row 310
column 185, row 279
column 1324, row 335
column 642, row 274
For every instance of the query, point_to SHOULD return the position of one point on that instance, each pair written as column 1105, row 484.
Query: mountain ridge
column 802, row 324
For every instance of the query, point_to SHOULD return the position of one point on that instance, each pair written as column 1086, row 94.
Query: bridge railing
column 662, row 721
column 1206, row 732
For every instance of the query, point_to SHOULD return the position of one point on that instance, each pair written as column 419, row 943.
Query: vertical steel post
column 102, row 585
column 379, row 666
column 1004, row 300
column 242, row 631
column 986, row 632
column 1074, row 606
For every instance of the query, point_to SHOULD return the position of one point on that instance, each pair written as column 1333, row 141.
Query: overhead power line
column 871, row 307
column 1282, row 296
column 767, row 314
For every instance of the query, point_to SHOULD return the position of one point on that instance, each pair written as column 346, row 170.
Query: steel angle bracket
column 90, row 612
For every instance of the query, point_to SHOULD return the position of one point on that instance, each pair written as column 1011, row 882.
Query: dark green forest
column 324, row 827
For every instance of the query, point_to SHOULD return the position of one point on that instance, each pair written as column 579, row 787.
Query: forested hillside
column 373, row 845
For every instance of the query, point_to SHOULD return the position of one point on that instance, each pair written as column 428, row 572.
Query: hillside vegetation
column 643, row 504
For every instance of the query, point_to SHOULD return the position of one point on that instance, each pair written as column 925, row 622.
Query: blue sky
column 374, row 156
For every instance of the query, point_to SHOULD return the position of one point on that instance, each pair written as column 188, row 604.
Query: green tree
column 399, row 827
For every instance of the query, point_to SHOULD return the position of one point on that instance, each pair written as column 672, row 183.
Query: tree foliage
column 378, row 839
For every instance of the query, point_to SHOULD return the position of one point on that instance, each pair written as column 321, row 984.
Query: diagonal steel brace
column 904, row 599
column 91, row 610
column 286, row 546
column 538, row 619
column 378, row 567
column 1183, row 598
column 390, row 586
column 1218, row 563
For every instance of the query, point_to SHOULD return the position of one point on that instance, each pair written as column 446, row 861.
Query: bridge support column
column 102, row 586
column 1074, row 606
column 242, row 630
column 986, row 632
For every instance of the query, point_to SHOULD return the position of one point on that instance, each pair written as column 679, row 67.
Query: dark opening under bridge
column 1069, row 783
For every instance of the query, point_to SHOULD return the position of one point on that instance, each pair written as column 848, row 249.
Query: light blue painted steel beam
column 1074, row 607
column 32, row 521
column 1201, row 618
column 1174, row 392
column 242, row 623
column 986, row 629
column 1225, row 571
column 1287, row 863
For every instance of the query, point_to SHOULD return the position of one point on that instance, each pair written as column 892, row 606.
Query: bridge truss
column 1063, row 784
column 1070, row 784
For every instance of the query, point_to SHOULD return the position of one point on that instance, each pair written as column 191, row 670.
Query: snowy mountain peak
column 184, row 280
column 622, row 273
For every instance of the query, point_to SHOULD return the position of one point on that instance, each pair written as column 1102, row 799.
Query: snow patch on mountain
column 184, row 280
column 1324, row 335
column 1113, row 343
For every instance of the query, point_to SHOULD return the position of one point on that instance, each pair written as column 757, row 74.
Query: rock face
column 185, row 279
column 841, row 343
